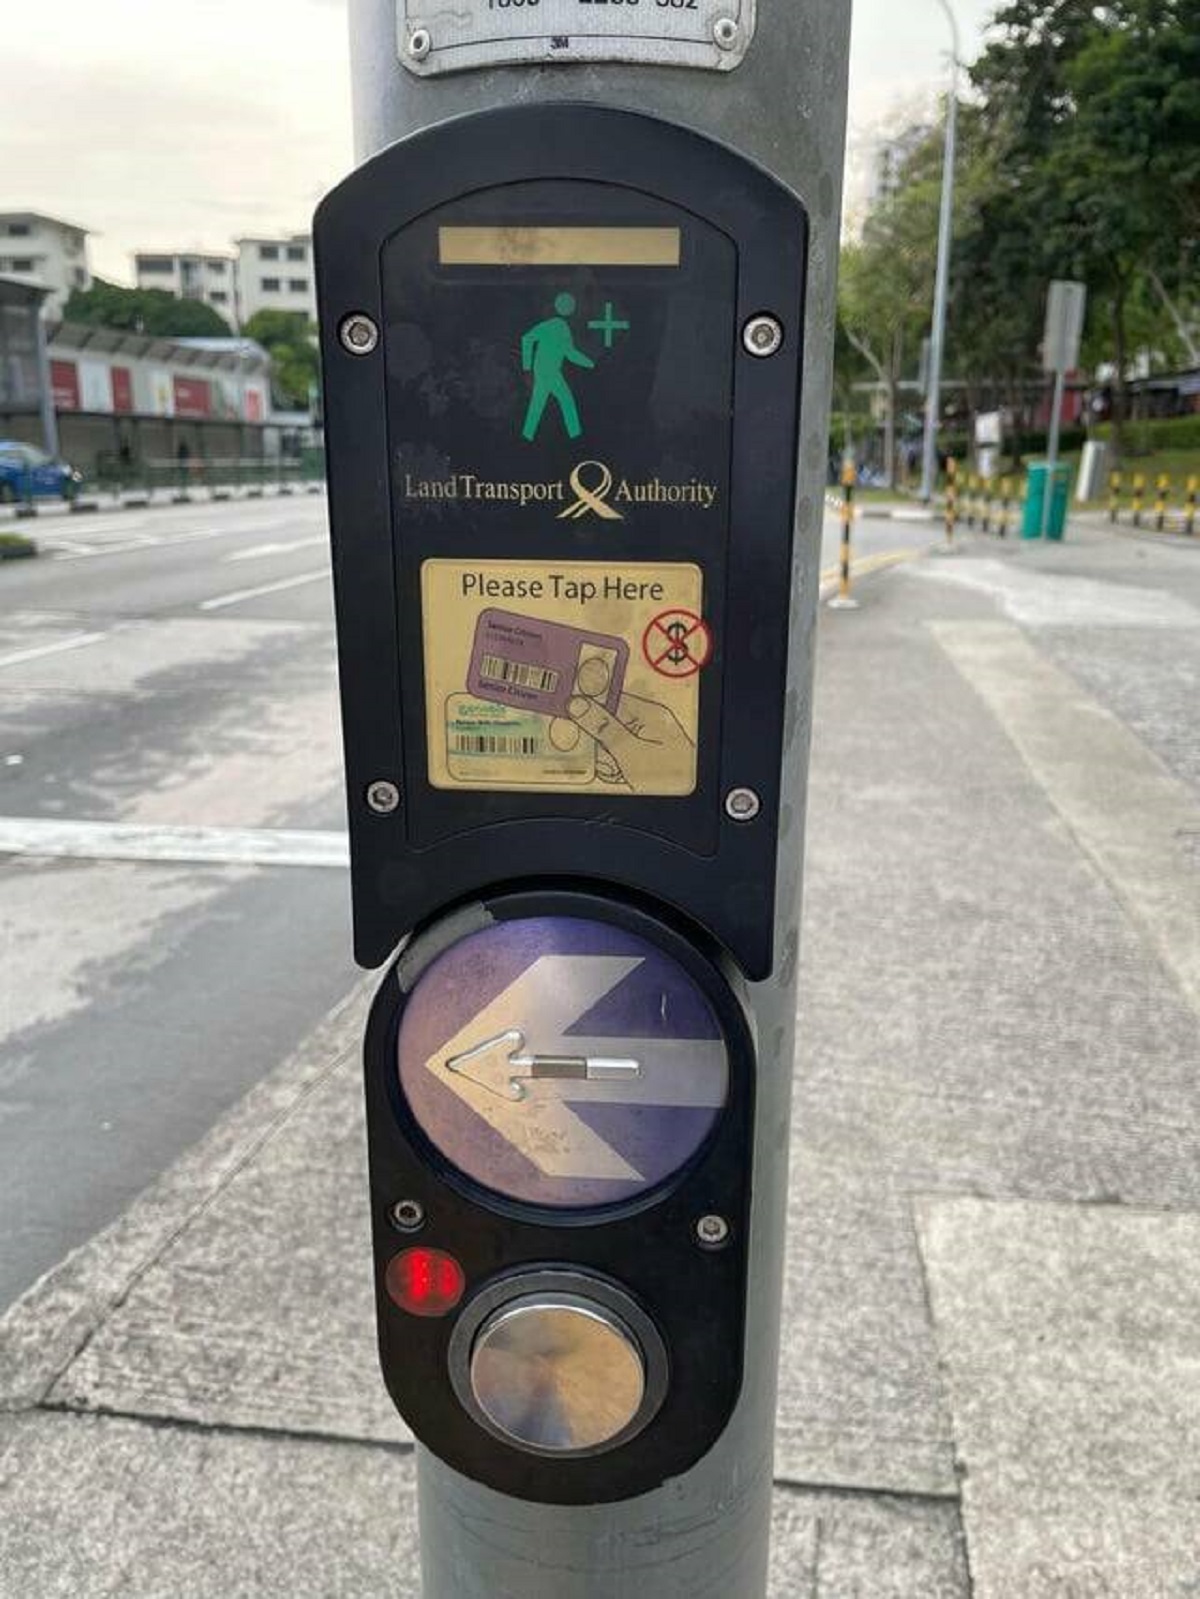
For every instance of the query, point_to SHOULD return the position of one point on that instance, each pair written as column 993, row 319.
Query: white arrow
column 499, row 1065
column 532, row 1015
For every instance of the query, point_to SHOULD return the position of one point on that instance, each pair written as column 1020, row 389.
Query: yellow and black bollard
column 1160, row 501
column 1189, row 511
column 1005, row 519
column 1114, row 497
column 951, row 499
column 843, row 600
column 1139, row 497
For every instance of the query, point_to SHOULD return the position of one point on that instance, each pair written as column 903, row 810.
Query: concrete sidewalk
column 991, row 1379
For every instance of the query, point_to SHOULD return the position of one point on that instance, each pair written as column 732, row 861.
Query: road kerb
column 867, row 565
column 43, row 1332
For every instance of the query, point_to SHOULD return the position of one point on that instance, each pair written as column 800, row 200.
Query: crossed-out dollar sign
column 677, row 644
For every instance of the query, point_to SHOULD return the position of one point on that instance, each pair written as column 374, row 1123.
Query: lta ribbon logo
column 591, row 498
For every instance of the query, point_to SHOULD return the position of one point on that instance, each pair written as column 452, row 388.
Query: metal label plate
column 436, row 37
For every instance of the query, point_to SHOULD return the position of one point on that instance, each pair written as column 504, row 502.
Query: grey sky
column 160, row 123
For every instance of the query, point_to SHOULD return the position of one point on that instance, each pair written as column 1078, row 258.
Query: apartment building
column 46, row 252
column 889, row 158
column 191, row 275
column 276, row 275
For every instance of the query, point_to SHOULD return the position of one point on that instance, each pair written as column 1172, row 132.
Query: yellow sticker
column 570, row 675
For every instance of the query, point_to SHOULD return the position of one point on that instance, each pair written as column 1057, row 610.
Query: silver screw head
column 742, row 804
column 712, row 1232
column 725, row 32
column 407, row 1215
column 763, row 336
column 383, row 798
column 359, row 335
column 420, row 43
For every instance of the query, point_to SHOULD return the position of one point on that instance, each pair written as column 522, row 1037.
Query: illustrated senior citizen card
column 541, row 666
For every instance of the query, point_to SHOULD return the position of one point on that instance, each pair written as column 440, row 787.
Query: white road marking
column 1059, row 599
column 152, row 541
column 162, row 536
column 239, row 595
column 195, row 846
column 257, row 552
column 76, row 641
column 1123, row 807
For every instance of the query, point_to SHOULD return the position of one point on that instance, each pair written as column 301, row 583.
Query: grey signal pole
column 937, row 344
column 704, row 1535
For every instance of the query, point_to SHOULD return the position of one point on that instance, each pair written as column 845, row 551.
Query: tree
column 1079, row 157
column 1126, row 197
column 1092, row 112
column 887, row 281
column 289, row 338
column 150, row 311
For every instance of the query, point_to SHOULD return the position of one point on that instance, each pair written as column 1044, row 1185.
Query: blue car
column 29, row 473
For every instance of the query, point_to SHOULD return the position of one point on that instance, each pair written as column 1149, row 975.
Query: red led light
column 425, row 1282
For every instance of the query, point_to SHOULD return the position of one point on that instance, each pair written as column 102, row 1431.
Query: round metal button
column 559, row 1374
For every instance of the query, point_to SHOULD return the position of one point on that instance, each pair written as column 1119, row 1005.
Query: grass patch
column 1178, row 465
column 16, row 547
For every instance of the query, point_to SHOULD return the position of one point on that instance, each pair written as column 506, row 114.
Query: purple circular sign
column 563, row 1062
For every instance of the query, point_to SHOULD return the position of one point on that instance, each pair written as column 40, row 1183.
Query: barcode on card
column 495, row 669
column 520, row 744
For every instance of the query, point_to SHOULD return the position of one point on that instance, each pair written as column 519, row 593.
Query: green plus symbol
column 609, row 325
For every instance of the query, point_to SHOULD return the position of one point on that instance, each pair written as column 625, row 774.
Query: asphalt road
column 165, row 668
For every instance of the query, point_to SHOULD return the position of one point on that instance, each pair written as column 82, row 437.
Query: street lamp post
column 937, row 345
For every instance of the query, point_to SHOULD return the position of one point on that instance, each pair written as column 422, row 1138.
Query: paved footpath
column 991, row 1380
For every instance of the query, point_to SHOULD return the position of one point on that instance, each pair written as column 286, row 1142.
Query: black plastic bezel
column 696, row 1297
column 730, row 890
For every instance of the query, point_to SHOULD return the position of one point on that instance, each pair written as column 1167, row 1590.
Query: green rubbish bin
column 1035, row 501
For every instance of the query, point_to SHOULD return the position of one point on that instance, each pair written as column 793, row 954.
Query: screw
column 742, row 804
column 763, row 336
column 383, row 798
column 712, row 1232
column 359, row 335
column 725, row 32
column 407, row 1215
column 420, row 43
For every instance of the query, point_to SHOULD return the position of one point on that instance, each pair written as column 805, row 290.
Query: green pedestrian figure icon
column 545, row 350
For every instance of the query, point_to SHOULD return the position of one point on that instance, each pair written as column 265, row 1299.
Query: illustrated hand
column 646, row 741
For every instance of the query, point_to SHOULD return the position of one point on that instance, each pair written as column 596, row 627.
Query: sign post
column 1066, row 308
column 577, row 315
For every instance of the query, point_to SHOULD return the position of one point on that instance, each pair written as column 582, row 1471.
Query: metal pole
column 1060, row 385
column 704, row 1535
column 45, row 388
column 937, row 344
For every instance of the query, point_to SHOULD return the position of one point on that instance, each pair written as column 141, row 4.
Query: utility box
column 1038, row 485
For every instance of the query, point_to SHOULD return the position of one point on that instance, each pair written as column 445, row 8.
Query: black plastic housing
column 696, row 1297
column 440, row 848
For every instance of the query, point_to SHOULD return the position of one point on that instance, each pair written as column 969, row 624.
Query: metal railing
column 203, row 478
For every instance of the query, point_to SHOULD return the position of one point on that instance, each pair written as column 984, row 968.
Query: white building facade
column 191, row 275
column 46, row 252
column 276, row 275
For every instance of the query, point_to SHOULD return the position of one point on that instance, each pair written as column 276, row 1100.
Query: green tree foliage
column 885, row 279
column 1079, row 157
column 150, row 311
column 289, row 338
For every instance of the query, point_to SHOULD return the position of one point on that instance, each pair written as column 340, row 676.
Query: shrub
column 1164, row 433
column 13, row 546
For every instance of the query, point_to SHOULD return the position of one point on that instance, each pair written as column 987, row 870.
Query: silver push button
column 559, row 1374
